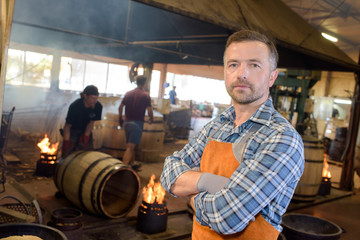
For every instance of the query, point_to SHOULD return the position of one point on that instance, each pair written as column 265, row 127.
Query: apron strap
column 239, row 147
column 210, row 138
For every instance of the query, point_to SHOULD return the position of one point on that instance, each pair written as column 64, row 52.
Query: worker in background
column 136, row 102
column 241, row 170
column 172, row 95
column 77, row 132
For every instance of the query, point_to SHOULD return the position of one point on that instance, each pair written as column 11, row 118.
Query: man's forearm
column 186, row 184
column 89, row 128
column 66, row 132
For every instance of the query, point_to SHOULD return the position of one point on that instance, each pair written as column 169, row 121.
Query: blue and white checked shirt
column 265, row 181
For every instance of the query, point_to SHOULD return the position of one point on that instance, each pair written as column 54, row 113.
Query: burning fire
column 153, row 192
column 44, row 146
column 326, row 173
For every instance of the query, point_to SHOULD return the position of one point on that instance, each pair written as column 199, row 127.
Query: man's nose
column 242, row 71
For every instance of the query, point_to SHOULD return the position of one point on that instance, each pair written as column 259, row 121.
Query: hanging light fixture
column 329, row 37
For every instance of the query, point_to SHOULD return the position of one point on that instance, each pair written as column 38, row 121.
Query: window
column 15, row 67
column 76, row 74
column 197, row 88
column 71, row 75
column 118, row 79
column 28, row 68
column 96, row 74
column 154, row 84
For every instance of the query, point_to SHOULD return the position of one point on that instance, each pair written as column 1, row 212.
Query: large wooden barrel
column 152, row 139
column 310, row 181
column 97, row 135
column 114, row 142
column 97, row 182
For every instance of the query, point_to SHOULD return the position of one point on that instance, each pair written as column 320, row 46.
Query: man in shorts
column 136, row 102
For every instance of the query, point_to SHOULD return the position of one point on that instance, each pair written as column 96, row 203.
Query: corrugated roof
column 272, row 17
column 172, row 31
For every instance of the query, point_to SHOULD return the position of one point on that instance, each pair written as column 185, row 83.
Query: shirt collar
column 262, row 115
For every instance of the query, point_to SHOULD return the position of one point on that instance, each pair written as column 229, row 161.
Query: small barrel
column 309, row 184
column 68, row 221
column 152, row 140
column 97, row 182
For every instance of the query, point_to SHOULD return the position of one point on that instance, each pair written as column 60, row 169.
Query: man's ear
column 273, row 76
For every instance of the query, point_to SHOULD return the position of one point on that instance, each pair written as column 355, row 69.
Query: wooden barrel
column 114, row 142
column 151, row 145
column 310, row 181
column 152, row 139
column 97, row 182
column 97, row 135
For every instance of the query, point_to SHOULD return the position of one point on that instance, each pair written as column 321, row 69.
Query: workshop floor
column 342, row 208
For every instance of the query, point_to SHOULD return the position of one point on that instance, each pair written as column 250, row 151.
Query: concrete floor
column 342, row 208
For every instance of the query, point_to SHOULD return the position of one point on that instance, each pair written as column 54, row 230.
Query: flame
column 153, row 192
column 326, row 173
column 44, row 146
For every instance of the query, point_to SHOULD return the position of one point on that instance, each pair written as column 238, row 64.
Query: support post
column 347, row 173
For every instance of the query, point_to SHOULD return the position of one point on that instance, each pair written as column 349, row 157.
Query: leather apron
column 223, row 159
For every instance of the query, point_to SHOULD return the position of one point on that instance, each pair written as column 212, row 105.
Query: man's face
column 90, row 100
column 247, row 72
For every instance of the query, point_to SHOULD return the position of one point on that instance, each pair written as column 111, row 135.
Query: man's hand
column 84, row 140
column 66, row 148
column 211, row 183
column 191, row 201
column 121, row 122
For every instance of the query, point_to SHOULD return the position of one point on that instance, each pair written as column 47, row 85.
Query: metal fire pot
column 68, row 221
column 46, row 165
column 152, row 217
column 325, row 187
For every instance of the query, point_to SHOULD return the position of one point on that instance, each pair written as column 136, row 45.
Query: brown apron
column 223, row 159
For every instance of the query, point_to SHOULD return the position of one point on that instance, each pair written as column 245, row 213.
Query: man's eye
column 254, row 65
column 232, row 65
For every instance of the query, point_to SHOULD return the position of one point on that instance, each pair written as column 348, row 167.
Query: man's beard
column 243, row 98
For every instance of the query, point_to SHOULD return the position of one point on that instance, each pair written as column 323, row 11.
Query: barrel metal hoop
column 101, row 184
column 65, row 168
column 145, row 130
column 312, row 141
column 118, row 149
column 305, row 196
column 313, row 161
column 84, row 176
column 314, row 147
column 308, row 184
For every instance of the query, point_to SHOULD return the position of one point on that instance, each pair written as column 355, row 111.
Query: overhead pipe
column 171, row 42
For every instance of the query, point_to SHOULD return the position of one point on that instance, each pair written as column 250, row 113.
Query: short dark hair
column 249, row 35
column 91, row 90
column 140, row 80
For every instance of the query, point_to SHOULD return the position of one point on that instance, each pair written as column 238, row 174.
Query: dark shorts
column 133, row 131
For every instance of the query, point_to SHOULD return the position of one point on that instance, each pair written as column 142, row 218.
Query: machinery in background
column 177, row 119
column 291, row 96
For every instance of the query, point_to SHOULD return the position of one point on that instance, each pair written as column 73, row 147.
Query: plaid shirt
column 265, row 181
